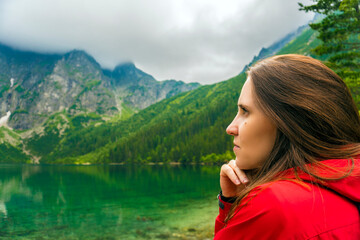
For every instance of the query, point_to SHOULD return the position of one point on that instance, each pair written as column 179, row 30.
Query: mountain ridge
column 36, row 85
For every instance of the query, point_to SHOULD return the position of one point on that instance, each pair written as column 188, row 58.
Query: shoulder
column 281, row 194
column 294, row 208
column 290, row 209
column 275, row 203
column 270, row 207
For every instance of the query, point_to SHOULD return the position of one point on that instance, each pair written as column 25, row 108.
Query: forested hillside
column 183, row 128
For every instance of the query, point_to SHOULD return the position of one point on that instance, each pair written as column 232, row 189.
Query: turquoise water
column 108, row 202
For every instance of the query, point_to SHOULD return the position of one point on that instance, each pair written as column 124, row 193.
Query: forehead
column 246, row 96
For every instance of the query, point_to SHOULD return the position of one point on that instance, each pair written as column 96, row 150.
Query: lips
column 236, row 146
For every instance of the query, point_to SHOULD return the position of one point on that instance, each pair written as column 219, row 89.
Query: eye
column 242, row 109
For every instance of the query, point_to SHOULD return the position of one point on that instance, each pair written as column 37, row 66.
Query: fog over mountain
column 203, row 41
column 34, row 86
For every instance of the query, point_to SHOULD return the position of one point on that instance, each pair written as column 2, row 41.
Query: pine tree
column 339, row 32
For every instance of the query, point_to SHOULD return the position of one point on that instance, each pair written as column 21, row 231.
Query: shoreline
column 122, row 163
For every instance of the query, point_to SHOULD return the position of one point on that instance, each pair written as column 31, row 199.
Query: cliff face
column 33, row 86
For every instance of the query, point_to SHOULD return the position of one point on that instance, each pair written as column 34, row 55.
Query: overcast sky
column 205, row 41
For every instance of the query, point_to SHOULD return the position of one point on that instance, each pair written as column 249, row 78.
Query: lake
column 108, row 201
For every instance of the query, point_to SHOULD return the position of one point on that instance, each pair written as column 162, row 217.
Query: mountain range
column 34, row 86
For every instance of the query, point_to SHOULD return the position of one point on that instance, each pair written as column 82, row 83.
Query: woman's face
column 254, row 133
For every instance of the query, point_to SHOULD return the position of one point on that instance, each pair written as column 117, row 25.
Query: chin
column 244, row 166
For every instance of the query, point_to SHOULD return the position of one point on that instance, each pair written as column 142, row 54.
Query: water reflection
column 72, row 201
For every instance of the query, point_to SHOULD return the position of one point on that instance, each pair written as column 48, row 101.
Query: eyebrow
column 243, row 106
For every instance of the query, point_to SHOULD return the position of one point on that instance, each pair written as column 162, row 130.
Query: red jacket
column 285, row 209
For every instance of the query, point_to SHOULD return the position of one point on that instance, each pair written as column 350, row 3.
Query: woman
column 297, row 144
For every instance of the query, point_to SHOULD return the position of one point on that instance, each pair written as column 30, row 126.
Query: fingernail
column 237, row 182
column 245, row 180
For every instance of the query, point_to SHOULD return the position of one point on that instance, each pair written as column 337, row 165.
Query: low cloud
column 204, row 41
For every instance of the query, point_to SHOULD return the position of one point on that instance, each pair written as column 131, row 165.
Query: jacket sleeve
column 224, row 209
column 257, row 217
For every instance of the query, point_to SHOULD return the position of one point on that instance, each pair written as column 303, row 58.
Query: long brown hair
column 314, row 112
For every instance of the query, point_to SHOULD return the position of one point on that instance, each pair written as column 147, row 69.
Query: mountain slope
column 185, row 115
column 277, row 46
column 11, row 147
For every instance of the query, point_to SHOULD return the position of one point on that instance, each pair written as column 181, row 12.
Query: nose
column 232, row 129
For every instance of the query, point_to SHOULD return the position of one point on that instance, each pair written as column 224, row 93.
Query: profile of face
column 254, row 133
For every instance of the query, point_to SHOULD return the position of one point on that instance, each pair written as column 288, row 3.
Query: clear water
column 108, row 202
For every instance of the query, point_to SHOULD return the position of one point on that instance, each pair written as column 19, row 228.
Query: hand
column 232, row 179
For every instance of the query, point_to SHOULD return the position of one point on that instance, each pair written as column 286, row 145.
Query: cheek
column 256, row 140
column 264, row 140
column 249, row 134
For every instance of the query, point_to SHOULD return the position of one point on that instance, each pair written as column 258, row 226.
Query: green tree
column 339, row 32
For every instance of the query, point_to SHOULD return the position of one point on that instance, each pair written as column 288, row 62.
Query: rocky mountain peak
column 34, row 86
column 128, row 74
column 125, row 65
column 80, row 58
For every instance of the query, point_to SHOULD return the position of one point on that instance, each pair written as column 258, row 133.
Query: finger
column 227, row 171
column 240, row 174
